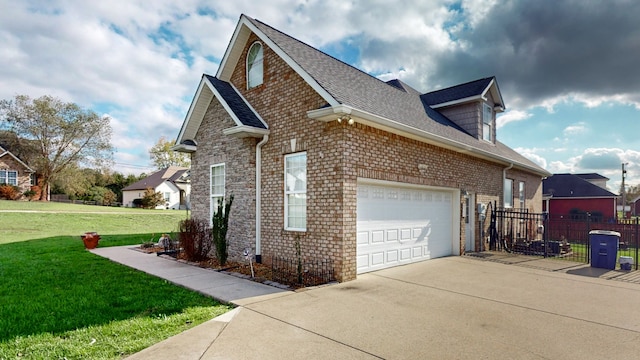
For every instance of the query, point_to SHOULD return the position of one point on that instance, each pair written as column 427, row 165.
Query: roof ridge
column 321, row 52
column 461, row 85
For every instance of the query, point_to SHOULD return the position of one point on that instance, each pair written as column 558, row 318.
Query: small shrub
column 29, row 194
column 9, row 192
column 195, row 239
column 219, row 230
column 151, row 199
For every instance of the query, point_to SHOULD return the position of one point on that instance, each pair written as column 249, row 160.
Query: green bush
column 219, row 230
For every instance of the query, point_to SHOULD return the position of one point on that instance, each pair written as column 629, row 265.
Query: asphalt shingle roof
column 236, row 102
column 572, row 186
column 462, row 91
column 357, row 89
column 171, row 174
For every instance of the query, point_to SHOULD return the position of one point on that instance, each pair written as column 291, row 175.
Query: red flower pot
column 90, row 240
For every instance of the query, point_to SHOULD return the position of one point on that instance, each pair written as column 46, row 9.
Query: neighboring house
column 577, row 194
column 327, row 159
column 635, row 206
column 14, row 171
column 173, row 182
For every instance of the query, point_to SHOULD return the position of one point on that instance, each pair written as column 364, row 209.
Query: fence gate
column 562, row 236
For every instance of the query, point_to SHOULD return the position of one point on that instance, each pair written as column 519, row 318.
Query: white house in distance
column 173, row 182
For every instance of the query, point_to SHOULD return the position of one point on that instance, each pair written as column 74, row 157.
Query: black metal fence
column 564, row 236
column 301, row 273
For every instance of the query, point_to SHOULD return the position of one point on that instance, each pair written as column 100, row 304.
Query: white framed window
column 521, row 195
column 217, row 180
column 9, row 177
column 487, row 122
column 508, row 193
column 295, row 191
column 255, row 69
column 33, row 179
column 167, row 197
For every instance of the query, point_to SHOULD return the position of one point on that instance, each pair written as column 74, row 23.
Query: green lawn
column 55, row 219
column 60, row 301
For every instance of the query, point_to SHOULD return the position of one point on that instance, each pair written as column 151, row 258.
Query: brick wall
column 24, row 178
column 337, row 155
column 238, row 155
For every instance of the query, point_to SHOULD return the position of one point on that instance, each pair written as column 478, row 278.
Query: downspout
column 504, row 178
column 264, row 140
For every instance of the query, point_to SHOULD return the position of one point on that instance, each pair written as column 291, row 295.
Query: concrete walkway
column 222, row 287
column 448, row 308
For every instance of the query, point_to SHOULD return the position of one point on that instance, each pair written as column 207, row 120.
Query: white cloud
column 512, row 116
column 560, row 167
column 575, row 129
column 532, row 154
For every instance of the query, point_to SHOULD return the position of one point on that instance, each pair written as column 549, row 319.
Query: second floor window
column 487, row 122
column 255, row 73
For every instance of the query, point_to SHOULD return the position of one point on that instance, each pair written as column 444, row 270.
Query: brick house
column 365, row 173
column 14, row 171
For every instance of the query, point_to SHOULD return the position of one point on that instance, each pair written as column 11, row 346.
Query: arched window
column 254, row 66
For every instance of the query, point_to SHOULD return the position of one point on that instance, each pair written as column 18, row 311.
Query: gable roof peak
column 470, row 91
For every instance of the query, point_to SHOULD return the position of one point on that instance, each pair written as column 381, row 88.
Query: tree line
column 70, row 148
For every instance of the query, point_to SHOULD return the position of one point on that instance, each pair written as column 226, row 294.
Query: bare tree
column 65, row 134
column 162, row 156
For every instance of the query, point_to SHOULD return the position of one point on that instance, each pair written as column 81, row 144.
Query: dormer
column 472, row 106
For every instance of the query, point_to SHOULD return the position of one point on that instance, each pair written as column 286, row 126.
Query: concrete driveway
column 449, row 308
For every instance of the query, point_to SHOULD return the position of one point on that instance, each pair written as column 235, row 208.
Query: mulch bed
column 261, row 273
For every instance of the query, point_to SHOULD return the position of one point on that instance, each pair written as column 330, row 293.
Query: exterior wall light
column 346, row 118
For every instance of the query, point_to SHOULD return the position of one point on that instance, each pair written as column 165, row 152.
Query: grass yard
column 61, row 301
column 56, row 219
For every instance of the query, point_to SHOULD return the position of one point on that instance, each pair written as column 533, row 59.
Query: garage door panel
column 363, row 237
column 392, row 256
column 404, row 224
column 377, row 258
column 377, row 236
column 405, row 254
column 363, row 261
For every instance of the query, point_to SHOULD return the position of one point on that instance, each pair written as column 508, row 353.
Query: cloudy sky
column 568, row 70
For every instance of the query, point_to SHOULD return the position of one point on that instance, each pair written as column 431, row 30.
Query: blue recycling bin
column 604, row 248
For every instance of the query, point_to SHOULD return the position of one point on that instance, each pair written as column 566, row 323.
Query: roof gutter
column 332, row 113
column 264, row 140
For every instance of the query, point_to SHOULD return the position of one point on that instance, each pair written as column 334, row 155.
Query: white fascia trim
column 187, row 119
column 460, row 101
column 246, row 131
column 18, row 160
column 496, row 94
column 264, row 38
column 184, row 148
column 331, row 113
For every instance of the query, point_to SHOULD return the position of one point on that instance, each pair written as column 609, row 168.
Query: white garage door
column 399, row 225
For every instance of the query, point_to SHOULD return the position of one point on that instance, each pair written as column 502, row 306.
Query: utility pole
column 624, row 197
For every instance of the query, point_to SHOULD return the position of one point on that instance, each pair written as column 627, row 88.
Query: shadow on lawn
column 54, row 285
